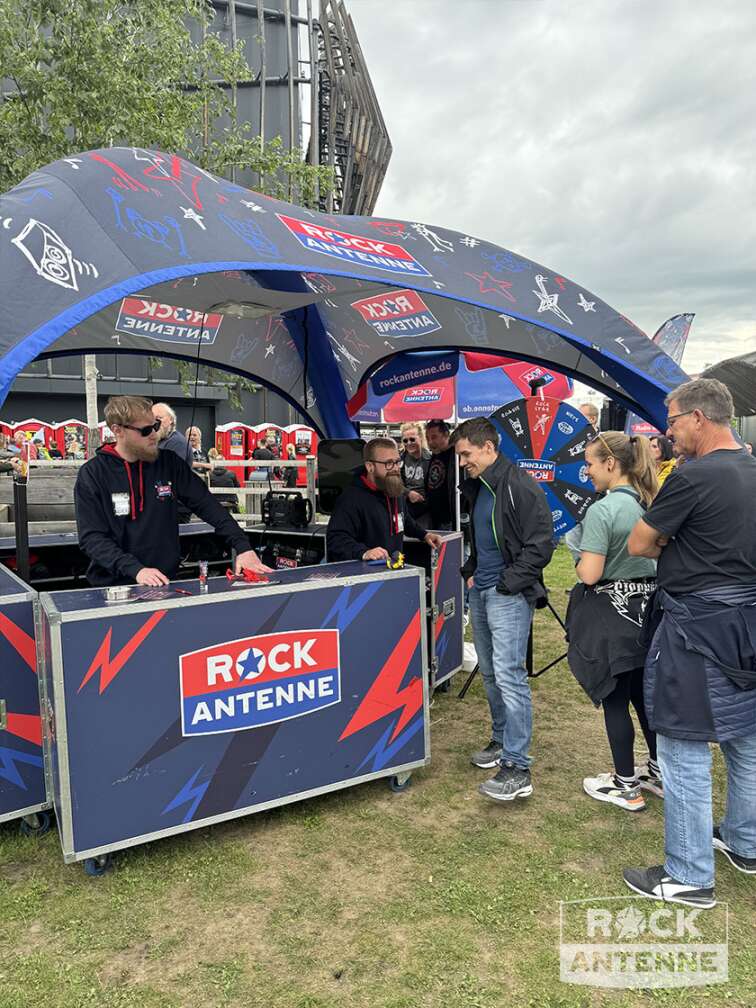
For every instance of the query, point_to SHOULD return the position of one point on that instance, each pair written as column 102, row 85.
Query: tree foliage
column 82, row 74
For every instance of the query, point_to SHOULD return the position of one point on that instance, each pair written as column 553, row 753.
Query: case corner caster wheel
column 96, row 866
column 35, row 825
column 399, row 782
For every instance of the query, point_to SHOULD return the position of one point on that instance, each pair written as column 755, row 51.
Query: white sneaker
column 607, row 787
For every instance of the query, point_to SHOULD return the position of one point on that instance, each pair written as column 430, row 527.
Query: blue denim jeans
column 501, row 625
column 688, row 819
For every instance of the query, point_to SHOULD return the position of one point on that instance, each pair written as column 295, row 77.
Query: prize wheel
column 547, row 438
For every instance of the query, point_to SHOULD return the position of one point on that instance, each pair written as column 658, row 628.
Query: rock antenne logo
column 259, row 680
column 167, row 323
column 342, row 245
column 399, row 313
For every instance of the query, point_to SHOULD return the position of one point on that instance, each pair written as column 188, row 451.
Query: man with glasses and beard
column 370, row 519
column 127, row 500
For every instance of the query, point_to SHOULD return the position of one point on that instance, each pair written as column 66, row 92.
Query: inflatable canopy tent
column 136, row 251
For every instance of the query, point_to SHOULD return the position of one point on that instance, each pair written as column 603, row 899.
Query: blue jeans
column 501, row 625
column 688, row 820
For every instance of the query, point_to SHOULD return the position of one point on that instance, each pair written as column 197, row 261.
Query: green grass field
column 433, row 897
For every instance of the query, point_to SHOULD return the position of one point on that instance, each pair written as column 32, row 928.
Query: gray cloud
column 611, row 141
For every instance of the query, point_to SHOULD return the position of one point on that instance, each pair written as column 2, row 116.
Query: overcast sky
column 614, row 141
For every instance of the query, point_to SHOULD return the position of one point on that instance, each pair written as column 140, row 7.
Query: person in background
column 606, row 608
column 700, row 680
column 199, row 458
column 290, row 473
column 748, row 447
column 220, row 476
column 370, row 518
column 591, row 414
column 414, row 470
column 24, row 446
column 664, row 459
column 169, row 438
column 511, row 540
column 439, row 480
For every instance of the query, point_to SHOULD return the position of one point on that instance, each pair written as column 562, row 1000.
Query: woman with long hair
column 664, row 459
column 606, row 609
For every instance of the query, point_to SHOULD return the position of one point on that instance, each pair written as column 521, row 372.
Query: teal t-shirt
column 606, row 527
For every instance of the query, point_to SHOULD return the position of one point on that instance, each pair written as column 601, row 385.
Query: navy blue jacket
column 700, row 680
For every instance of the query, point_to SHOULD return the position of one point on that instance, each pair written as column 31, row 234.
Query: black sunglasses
column 409, row 440
column 144, row 431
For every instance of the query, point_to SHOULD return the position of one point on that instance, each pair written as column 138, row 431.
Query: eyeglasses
column 671, row 419
column 144, row 431
column 409, row 440
column 389, row 463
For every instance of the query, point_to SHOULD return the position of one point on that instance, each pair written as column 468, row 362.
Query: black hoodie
column 127, row 514
column 365, row 517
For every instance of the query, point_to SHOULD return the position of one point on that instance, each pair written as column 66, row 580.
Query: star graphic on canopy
column 270, row 349
column 488, row 284
column 469, row 242
column 507, row 319
column 254, row 207
column 586, row 305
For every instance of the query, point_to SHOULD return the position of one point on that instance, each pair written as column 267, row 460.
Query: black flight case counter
column 176, row 708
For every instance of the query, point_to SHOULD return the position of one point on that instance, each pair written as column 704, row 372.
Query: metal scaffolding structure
column 309, row 84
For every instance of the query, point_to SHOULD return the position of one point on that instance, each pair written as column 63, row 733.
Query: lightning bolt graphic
column 385, row 696
column 188, row 793
column 440, row 564
column 20, row 640
column 109, row 668
column 381, row 754
column 343, row 611
column 8, row 769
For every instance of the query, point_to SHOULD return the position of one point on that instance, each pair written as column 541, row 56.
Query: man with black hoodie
column 511, row 542
column 127, row 500
column 370, row 517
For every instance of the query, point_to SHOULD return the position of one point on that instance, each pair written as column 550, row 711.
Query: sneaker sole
column 619, row 802
column 699, row 904
column 522, row 793
column 485, row 766
column 720, row 846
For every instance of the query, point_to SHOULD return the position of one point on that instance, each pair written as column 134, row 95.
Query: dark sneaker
column 744, row 864
column 649, row 780
column 488, row 757
column 656, row 884
column 509, row 783
column 608, row 788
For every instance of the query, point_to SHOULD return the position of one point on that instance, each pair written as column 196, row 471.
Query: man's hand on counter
column 151, row 576
column 433, row 539
column 249, row 560
column 376, row 553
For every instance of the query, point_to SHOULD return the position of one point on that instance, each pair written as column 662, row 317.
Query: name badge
column 164, row 491
column 121, row 504
column 400, row 522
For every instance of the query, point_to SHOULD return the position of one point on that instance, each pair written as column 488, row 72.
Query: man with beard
column 127, row 500
column 370, row 517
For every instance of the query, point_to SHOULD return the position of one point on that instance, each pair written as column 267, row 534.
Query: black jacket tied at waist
column 701, row 666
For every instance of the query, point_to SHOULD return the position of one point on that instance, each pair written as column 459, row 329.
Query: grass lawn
column 434, row 897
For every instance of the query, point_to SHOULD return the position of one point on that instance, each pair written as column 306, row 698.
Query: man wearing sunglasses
column 370, row 518
column 127, row 504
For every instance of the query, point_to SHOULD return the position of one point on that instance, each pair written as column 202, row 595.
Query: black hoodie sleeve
column 536, row 530
column 95, row 532
column 193, row 493
column 344, row 530
column 411, row 527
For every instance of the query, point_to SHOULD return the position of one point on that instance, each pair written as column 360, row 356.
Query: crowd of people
column 661, row 620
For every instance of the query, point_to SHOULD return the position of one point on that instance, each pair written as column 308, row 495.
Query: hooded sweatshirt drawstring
column 111, row 450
